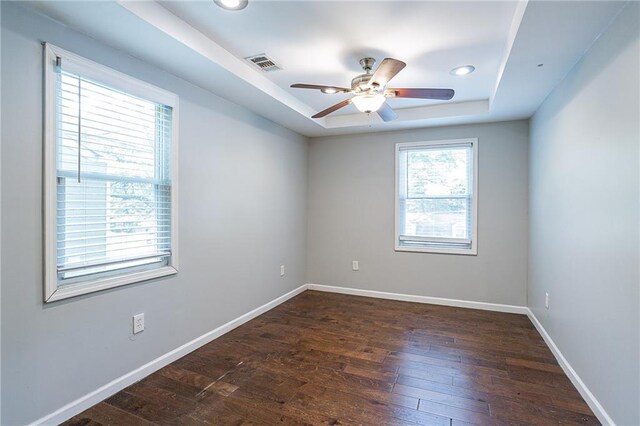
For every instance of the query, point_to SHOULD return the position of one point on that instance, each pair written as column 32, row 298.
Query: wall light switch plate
column 138, row 323
column 282, row 270
column 356, row 265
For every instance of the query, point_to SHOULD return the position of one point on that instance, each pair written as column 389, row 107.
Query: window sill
column 468, row 252
column 72, row 290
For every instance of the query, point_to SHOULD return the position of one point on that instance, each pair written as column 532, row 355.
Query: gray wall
column 351, row 217
column 584, row 224
column 242, row 214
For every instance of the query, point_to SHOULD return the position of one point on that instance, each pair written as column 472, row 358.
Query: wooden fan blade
column 441, row 94
column 387, row 113
column 332, row 108
column 322, row 88
column 386, row 71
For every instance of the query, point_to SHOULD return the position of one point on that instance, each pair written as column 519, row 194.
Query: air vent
column 263, row 62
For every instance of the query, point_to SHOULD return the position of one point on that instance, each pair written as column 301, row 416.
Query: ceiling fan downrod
column 367, row 64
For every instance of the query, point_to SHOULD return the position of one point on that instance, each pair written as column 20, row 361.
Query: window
column 436, row 196
column 110, row 178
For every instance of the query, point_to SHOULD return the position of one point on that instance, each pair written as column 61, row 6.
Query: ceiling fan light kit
column 369, row 90
column 368, row 103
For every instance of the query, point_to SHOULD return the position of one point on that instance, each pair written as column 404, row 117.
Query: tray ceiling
column 321, row 42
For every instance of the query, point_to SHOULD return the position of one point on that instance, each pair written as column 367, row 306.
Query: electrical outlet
column 356, row 266
column 138, row 323
column 282, row 270
column 546, row 300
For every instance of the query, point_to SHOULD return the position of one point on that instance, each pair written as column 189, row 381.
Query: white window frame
column 473, row 250
column 127, row 84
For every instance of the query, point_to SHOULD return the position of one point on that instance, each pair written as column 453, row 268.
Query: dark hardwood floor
column 323, row 358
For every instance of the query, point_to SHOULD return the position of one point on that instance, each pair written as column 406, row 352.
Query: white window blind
column 435, row 196
column 113, row 179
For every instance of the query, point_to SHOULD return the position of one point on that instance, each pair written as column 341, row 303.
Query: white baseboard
column 586, row 394
column 100, row 394
column 512, row 309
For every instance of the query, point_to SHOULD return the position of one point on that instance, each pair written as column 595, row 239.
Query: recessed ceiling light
column 328, row 90
column 463, row 70
column 232, row 4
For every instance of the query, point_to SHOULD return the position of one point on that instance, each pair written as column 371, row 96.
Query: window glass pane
column 432, row 172
column 440, row 217
column 118, row 131
column 113, row 186
column 435, row 196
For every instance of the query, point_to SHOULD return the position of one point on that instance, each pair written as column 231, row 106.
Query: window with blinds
column 436, row 196
column 112, row 149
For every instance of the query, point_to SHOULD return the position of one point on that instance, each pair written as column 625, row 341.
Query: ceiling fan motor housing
column 360, row 83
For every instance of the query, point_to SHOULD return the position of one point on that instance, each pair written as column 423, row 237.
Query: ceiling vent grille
column 263, row 62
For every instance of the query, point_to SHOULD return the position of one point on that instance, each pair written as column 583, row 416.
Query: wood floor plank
column 542, row 366
column 365, row 410
column 432, row 375
column 536, row 376
column 336, row 359
column 151, row 411
column 457, row 413
column 543, row 413
column 376, row 374
column 83, row 421
column 442, row 398
column 108, row 415
column 445, row 366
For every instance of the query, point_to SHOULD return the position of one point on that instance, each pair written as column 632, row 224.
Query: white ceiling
column 320, row 42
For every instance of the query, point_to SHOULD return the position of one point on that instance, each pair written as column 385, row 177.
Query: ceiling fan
column 370, row 92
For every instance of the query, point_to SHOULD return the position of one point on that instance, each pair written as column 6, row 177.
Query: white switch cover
column 138, row 323
column 282, row 270
column 546, row 300
column 356, row 266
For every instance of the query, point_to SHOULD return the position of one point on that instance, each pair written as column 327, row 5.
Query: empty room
column 256, row 212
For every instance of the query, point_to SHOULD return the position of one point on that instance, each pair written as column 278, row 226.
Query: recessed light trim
column 329, row 90
column 232, row 4
column 462, row 70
